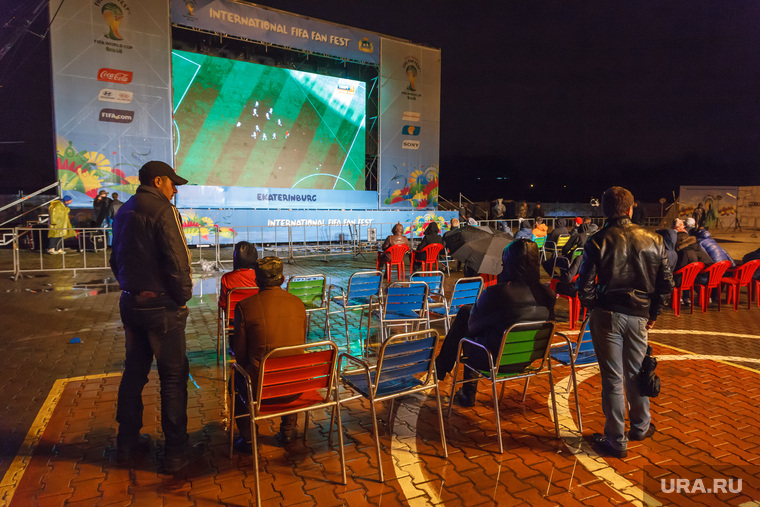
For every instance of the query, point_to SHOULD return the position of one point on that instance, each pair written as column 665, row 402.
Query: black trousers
column 447, row 356
column 154, row 327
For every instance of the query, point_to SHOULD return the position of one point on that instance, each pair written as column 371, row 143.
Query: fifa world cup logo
column 113, row 15
column 190, row 6
column 411, row 73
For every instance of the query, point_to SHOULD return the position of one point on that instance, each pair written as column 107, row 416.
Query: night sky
column 573, row 97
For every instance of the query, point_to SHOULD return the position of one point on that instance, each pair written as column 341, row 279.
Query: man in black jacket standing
column 623, row 278
column 152, row 264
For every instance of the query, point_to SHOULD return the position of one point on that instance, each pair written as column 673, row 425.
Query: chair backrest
column 488, row 279
column 716, row 272
column 466, row 292
column 539, row 241
column 433, row 279
column 578, row 252
column 234, row 296
column 745, row 272
column 294, row 370
column 562, row 240
column 396, row 253
column 404, row 355
column 364, row 284
column 309, row 289
column 523, row 343
column 432, row 251
column 584, row 352
column 689, row 273
column 405, row 296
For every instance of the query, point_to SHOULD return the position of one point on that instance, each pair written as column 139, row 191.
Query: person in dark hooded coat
column 560, row 228
column 578, row 239
column 518, row 296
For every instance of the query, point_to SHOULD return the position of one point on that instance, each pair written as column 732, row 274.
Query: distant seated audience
column 518, row 296
column 430, row 237
column 709, row 245
column 669, row 237
column 539, row 230
column 397, row 238
column 560, row 228
column 526, row 230
column 243, row 274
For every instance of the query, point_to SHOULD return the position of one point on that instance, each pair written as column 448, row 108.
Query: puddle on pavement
column 97, row 286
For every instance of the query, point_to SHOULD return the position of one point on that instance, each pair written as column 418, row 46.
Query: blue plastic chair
column 356, row 296
column 436, row 296
column 466, row 291
column 405, row 365
column 579, row 351
column 404, row 303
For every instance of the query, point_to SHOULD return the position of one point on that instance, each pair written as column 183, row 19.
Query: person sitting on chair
column 272, row 318
column 526, row 230
column 431, row 237
column 518, row 296
column 243, row 272
column 397, row 238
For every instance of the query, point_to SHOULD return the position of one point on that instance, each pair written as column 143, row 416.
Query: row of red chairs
column 741, row 276
column 397, row 253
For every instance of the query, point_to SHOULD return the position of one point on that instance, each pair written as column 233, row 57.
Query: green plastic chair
column 524, row 354
column 540, row 242
column 312, row 290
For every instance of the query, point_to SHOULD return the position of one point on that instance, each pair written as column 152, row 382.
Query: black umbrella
column 484, row 254
column 459, row 237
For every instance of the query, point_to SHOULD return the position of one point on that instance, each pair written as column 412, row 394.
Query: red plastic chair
column 715, row 272
column 488, row 280
column 285, row 372
column 688, row 275
column 431, row 257
column 573, row 303
column 741, row 277
column 396, row 253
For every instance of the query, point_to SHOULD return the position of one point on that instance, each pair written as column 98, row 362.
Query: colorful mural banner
column 719, row 203
column 410, row 107
column 111, row 86
column 748, row 209
column 276, row 27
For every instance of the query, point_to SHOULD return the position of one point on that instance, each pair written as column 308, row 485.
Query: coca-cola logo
column 115, row 76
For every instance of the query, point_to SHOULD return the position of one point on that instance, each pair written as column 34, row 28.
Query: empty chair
column 401, row 360
column 740, row 277
column 436, row 298
column 356, row 296
column 312, row 290
column 465, row 292
column 404, row 304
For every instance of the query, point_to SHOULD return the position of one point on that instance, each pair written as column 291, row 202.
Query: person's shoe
column 128, row 452
column 175, row 464
column 604, row 448
column 286, row 437
column 242, row 446
column 51, row 251
column 464, row 399
column 60, row 251
column 639, row 437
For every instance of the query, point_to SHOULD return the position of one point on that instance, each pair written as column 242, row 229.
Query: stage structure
column 275, row 119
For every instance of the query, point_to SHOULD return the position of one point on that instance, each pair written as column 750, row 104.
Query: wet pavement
column 61, row 357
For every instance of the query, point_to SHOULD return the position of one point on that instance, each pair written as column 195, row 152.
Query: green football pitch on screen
column 241, row 124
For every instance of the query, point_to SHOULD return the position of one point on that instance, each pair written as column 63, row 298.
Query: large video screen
column 241, row 124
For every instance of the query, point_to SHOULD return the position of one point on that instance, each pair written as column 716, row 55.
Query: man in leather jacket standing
column 152, row 264
column 622, row 280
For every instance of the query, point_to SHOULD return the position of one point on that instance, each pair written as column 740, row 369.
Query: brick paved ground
column 706, row 415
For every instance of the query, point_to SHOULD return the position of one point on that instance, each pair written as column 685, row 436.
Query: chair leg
column 345, row 325
column 554, row 398
column 389, row 424
column 340, row 437
column 232, row 421
column 440, row 420
column 496, row 411
column 377, row 438
column 254, row 446
column 306, row 424
column 574, row 379
column 525, row 389
column 453, row 387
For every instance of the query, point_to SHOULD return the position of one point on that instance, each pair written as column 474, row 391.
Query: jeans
column 154, row 327
column 620, row 342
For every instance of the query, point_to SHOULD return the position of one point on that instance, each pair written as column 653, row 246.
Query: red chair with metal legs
column 688, row 275
column 396, row 254
column 740, row 277
column 715, row 273
column 573, row 303
column 430, row 259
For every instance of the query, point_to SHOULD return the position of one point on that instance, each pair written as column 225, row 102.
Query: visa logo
column 410, row 130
